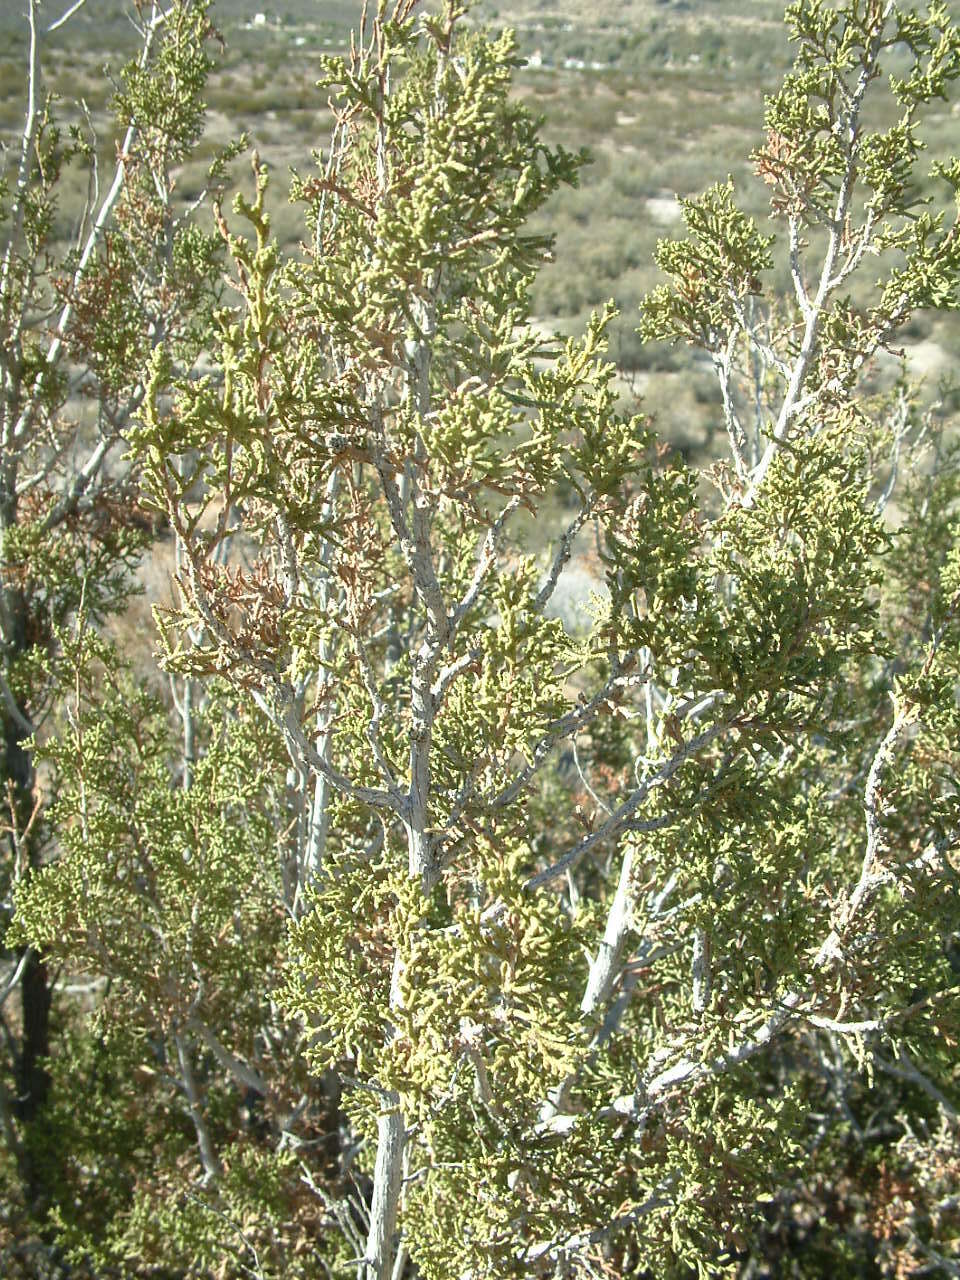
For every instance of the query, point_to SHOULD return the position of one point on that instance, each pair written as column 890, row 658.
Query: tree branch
column 623, row 815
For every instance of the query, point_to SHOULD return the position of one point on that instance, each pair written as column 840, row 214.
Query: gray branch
column 623, row 816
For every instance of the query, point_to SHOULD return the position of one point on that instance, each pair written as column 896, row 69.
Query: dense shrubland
column 394, row 926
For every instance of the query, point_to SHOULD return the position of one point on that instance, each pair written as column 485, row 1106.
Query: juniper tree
column 580, row 1027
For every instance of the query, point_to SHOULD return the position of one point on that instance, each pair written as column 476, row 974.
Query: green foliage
column 160, row 97
column 442, row 934
column 714, row 271
column 183, row 868
column 81, row 307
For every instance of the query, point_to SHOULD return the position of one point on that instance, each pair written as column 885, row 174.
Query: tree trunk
column 32, row 1079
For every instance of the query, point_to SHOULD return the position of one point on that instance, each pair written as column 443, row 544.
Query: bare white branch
column 11, row 984
column 486, row 560
column 905, row 1069
column 562, row 556
column 241, row 1071
column 813, row 309
column 208, row 1155
column 66, row 16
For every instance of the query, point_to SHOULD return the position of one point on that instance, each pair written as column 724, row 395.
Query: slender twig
column 65, row 17
column 905, row 1069
column 13, row 980
column 27, row 140
column 562, row 556
column 486, row 561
